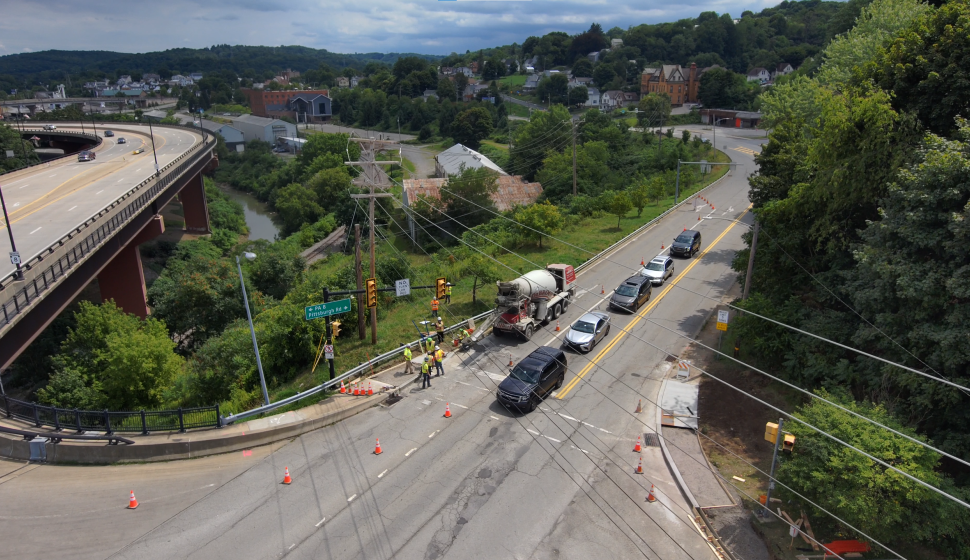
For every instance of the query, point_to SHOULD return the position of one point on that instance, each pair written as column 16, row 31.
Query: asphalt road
column 556, row 483
column 48, row 202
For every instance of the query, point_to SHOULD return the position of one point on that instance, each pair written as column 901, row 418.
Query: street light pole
column 14, row 256
column 152, row 134
column 249, row 316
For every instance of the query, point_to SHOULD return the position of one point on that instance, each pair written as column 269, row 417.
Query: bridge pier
column 123, row 278
column 194, row 206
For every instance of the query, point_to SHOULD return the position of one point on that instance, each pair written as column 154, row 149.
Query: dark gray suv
column 532, row 379
column 687, row 244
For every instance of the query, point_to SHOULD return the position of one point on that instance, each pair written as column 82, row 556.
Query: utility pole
column 360, row 282
column 774, row 459
column 372, row 178
column 754, row 246
column 574, row 158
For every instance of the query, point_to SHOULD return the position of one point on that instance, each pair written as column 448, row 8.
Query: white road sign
column 14, row 258
column 328, row 351
column 722, row 316
column 403, row 287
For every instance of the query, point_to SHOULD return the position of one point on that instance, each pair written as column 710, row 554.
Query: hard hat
column 436, row 347
column 439, row 318
column 426, row 358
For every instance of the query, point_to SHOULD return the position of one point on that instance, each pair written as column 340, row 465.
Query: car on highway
column 632, row 293
column 108, row 134
column 86, row 155
column 122, row 140
column 687, row 244
column 588, row 330
column 49, row 127
column 137, row 151
column 532, row 379
column 658, row 270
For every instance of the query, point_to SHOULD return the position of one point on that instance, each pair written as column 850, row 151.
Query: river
column 259, row 219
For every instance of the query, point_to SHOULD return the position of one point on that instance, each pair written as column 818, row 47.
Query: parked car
column 122, row 141
column 687, row 244
column 50, row 127
column 631, row 294
column 108, row 134
column 658, row 270
column 532, row 379
column 86, row 156
column 588, row 330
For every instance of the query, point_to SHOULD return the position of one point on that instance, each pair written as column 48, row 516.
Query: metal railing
column 138, row 198
column 89, row 136
column 109, row 422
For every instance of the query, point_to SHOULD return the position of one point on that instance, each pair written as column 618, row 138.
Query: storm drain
column 651, row 440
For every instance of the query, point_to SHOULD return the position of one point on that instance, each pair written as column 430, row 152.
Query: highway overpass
column 75, row 221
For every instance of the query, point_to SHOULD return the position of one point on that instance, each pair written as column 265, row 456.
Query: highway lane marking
column 408, row 454
column 324, row 519
column 583, row 450
column 493, row 417
column 291, row 546
column 99, row 192
column 25, row 186
column 378, row 476
column 350, row 499
column 475, row 386
column 459, row 405
column 433, row 434
column 639, row 316
column 71, row 208
column 531, row 431
column 36, row 230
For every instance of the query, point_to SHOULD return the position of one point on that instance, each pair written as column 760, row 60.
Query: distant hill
column 46, row 65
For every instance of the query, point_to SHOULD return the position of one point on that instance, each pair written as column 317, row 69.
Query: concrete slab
column 274, row 421
column 680, row 399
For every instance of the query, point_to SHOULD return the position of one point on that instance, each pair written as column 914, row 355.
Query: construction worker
column 448, row 293
column 439, row 359
column 434, row 306
column 439, row 327
column 408, row 366
column 428, row 345
column 463, row 334
column 426, row 373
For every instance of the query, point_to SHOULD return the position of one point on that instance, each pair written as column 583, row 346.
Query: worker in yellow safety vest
column 428, row 345
column 426, row 373
column 448, row 293
column 408, row 366
column 463, row 334
column 439, row 357
column 439, row 327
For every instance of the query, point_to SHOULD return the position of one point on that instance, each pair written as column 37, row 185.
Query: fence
column 142, row 421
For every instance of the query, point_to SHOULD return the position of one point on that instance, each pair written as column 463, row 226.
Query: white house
column 616, row 43
column 465, row 70
column 782, row 69
column 594, row 97
column 759, row 75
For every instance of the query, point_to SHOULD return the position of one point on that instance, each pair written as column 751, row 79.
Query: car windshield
column 583, row 327
column 524, row 374
column 683, row 239
column 655, row 266
column 624, row 290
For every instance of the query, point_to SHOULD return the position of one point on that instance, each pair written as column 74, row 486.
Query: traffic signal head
column 789, row 443
column 440, row 288
column 335, row 326
column 371, row 287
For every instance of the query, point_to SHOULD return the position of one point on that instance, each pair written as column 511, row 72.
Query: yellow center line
column 589, row 366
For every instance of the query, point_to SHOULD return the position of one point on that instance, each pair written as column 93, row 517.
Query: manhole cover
column 670, row 359
column 651, row 440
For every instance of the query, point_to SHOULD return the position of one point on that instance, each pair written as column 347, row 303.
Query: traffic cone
column 640, row 466
column 370, row 389
column 685, row 228
column 557, row 325
column 712, row 207
column 377, row 450
column 343, row 388
column 286, row 475
column 132, row 502
column 510, row 359
column 650, row 497
column 356, row 390
column 639, row 408
column 602, row 289
column 661, row 246
column 636, row 448
column 447, row 410
column 641, row 261
column 698, row 217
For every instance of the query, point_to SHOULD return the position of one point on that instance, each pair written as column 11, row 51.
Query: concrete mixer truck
column 532, row 299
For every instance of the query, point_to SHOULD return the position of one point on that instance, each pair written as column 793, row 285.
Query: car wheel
column 533, row 403
column 528, row 332
column 607, row 331
column 557, row 311
column 498, row 333
column 559, row 383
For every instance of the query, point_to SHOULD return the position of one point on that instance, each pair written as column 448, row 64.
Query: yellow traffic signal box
column 771, row 432
column 440, row 288
column 370, row 286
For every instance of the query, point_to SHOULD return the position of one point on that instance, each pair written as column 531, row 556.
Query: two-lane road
column 47, row 202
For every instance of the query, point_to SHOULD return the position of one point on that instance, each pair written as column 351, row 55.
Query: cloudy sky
column 423, row 26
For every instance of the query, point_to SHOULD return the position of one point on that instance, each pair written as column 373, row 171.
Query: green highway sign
column 327, row 309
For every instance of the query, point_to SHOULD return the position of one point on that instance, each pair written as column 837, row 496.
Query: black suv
column 632, row 293
column 534, row 377
column 687, row 244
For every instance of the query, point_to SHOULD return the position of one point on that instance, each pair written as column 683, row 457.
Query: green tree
column 553, row 89
column 539, row 219
column 22, row 151
column 467, row 199
column 331, row 186
column 592, row 171
column 297, row 206
column 578, row 95
column 446, row 89
column 603, row 74
column 583, row 68
column 616, row 203
column 546, row 131
column 639, row 196
column 472, row 126
column 482, row 270
column 657, row 188
column 654, row 109
column 724, row 89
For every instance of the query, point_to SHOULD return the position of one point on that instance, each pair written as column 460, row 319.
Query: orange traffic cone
column 447, row 410
column 685, row 228
column 355, row 391
column 286, row 475
column 370, row 389
column 343, row 388
column 602, row 289
column 712, row 207
column 640, row 466
column 636, row 448
column 557, row 325
column 650, row 497
column 132, row 502
column 377, row 450
column 639, row 408
column 698, row 217
column 661, row 246
column 510, row 359
column 641, row 261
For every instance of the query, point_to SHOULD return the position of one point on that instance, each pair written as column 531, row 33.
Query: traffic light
column 371, row 286
column 789, row 443
column 440, row 288
column 771, row 432
column 335, row 326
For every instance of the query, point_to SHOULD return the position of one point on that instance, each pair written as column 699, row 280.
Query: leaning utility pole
column 574, row 157
column 360, row 282
column 754, row 246
column 372, row 178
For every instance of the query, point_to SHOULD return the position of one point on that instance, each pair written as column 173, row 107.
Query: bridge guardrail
column 142, row 421
column 144, row 193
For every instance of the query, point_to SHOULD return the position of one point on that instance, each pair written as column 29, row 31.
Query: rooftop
column 452, row 159
column 511, row 190
column 252, row 119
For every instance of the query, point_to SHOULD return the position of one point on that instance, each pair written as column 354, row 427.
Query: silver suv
column 658, row 270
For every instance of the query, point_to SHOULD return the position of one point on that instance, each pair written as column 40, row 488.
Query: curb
column 180, row 446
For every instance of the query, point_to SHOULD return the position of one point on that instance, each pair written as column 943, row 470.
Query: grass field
column 513, row 81
column 517, row 110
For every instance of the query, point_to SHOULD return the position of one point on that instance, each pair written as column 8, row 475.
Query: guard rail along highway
column 46, row 269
